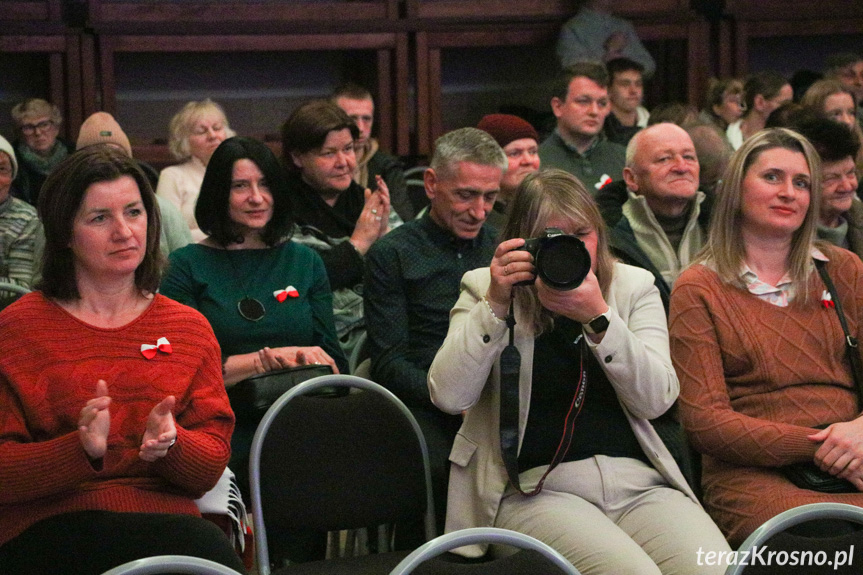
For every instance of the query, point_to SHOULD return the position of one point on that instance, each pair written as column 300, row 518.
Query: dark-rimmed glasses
column 30, row 129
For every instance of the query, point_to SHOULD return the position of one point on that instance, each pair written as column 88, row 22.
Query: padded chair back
column 776, row 526
column 421, row 558
column 171, row 564
column 328, row 464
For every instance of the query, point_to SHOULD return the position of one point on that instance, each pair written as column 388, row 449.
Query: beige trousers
column 614, row 515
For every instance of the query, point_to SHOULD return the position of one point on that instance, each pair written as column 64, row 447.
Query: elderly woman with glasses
column 39, row 150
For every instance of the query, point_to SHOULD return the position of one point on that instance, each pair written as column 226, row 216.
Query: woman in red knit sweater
column 760, row 357
column 113, row 415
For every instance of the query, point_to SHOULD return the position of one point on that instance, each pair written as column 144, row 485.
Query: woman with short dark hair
column 335, row 215
column 114, row 417
column 266, row 296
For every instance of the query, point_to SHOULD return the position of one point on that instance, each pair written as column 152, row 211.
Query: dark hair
column 61, row 198
column 618, row 65
column 835, row 62
column 307, row 127
column 673, row 113
column 716, row 90
column 590, row 70
column 788, row 115
column 351, row 91
column 833, row 141
column 767, row 83
column 212, row 210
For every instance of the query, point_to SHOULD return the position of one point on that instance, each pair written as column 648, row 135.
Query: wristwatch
column 598, row 324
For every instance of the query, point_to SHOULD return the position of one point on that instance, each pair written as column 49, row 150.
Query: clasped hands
column 94, row 425
column 841, row 450
column 271, row 359
column 511, row 265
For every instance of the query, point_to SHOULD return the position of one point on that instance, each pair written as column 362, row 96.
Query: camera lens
column 563, row 262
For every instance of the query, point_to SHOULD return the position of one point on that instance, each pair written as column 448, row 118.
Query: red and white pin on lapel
column 603, row 181
column 827, row 299
column 162, row 345
column 283, row 294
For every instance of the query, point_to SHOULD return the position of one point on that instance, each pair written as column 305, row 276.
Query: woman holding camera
column 596, row 481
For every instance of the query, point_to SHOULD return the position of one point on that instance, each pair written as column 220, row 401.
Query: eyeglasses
column 30, row 129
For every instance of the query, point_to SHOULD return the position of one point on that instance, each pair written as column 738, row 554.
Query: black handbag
column 807, row 475
column 252, row 397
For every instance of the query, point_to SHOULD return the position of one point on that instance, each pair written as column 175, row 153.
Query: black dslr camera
column 561, row 260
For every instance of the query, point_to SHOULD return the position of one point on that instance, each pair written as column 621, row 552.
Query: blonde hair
column 36, row 108
column 816, row 99
column 181, row 125
column 725, row 250
column 540, row 197
column 817, row 94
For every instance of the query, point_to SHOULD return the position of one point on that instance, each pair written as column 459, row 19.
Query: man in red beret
column 520, row 143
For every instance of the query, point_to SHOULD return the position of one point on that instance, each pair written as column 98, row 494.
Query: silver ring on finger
column 378, row 218
column 374, row 211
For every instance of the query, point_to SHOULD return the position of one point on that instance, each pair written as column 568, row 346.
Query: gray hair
column 467, row 145
column 35, row 108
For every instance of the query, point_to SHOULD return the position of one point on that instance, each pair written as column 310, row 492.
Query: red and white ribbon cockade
column 283, row 294
column 603, row 181
column 162, row 344
column 827, row 299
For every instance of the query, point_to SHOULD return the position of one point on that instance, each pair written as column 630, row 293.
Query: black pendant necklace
column 250, row 309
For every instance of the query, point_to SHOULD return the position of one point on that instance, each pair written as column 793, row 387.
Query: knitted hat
column 5, row 146
column 102, row 128
column 505, row 128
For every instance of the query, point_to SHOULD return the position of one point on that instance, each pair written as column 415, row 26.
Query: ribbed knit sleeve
column 203, row 421
column 756, row 378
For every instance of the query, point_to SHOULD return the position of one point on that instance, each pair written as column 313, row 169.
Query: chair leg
column 384, row 539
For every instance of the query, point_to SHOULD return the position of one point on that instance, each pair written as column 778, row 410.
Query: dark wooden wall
column 432, row 64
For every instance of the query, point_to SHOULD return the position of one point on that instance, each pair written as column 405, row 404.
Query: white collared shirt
column 783, row 292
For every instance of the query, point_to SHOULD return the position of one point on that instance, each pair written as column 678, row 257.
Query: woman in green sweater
column 268, row 300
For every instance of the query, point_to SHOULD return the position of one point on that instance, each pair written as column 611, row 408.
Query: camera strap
column 851, row 346
column 510, row 366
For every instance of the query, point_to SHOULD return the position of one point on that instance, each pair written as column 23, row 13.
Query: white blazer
column 465, row 377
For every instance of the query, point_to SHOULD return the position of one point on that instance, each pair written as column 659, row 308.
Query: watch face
column 600, row 324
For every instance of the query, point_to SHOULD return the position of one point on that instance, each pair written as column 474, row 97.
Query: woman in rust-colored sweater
column 760, row 358
column 113, row 415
